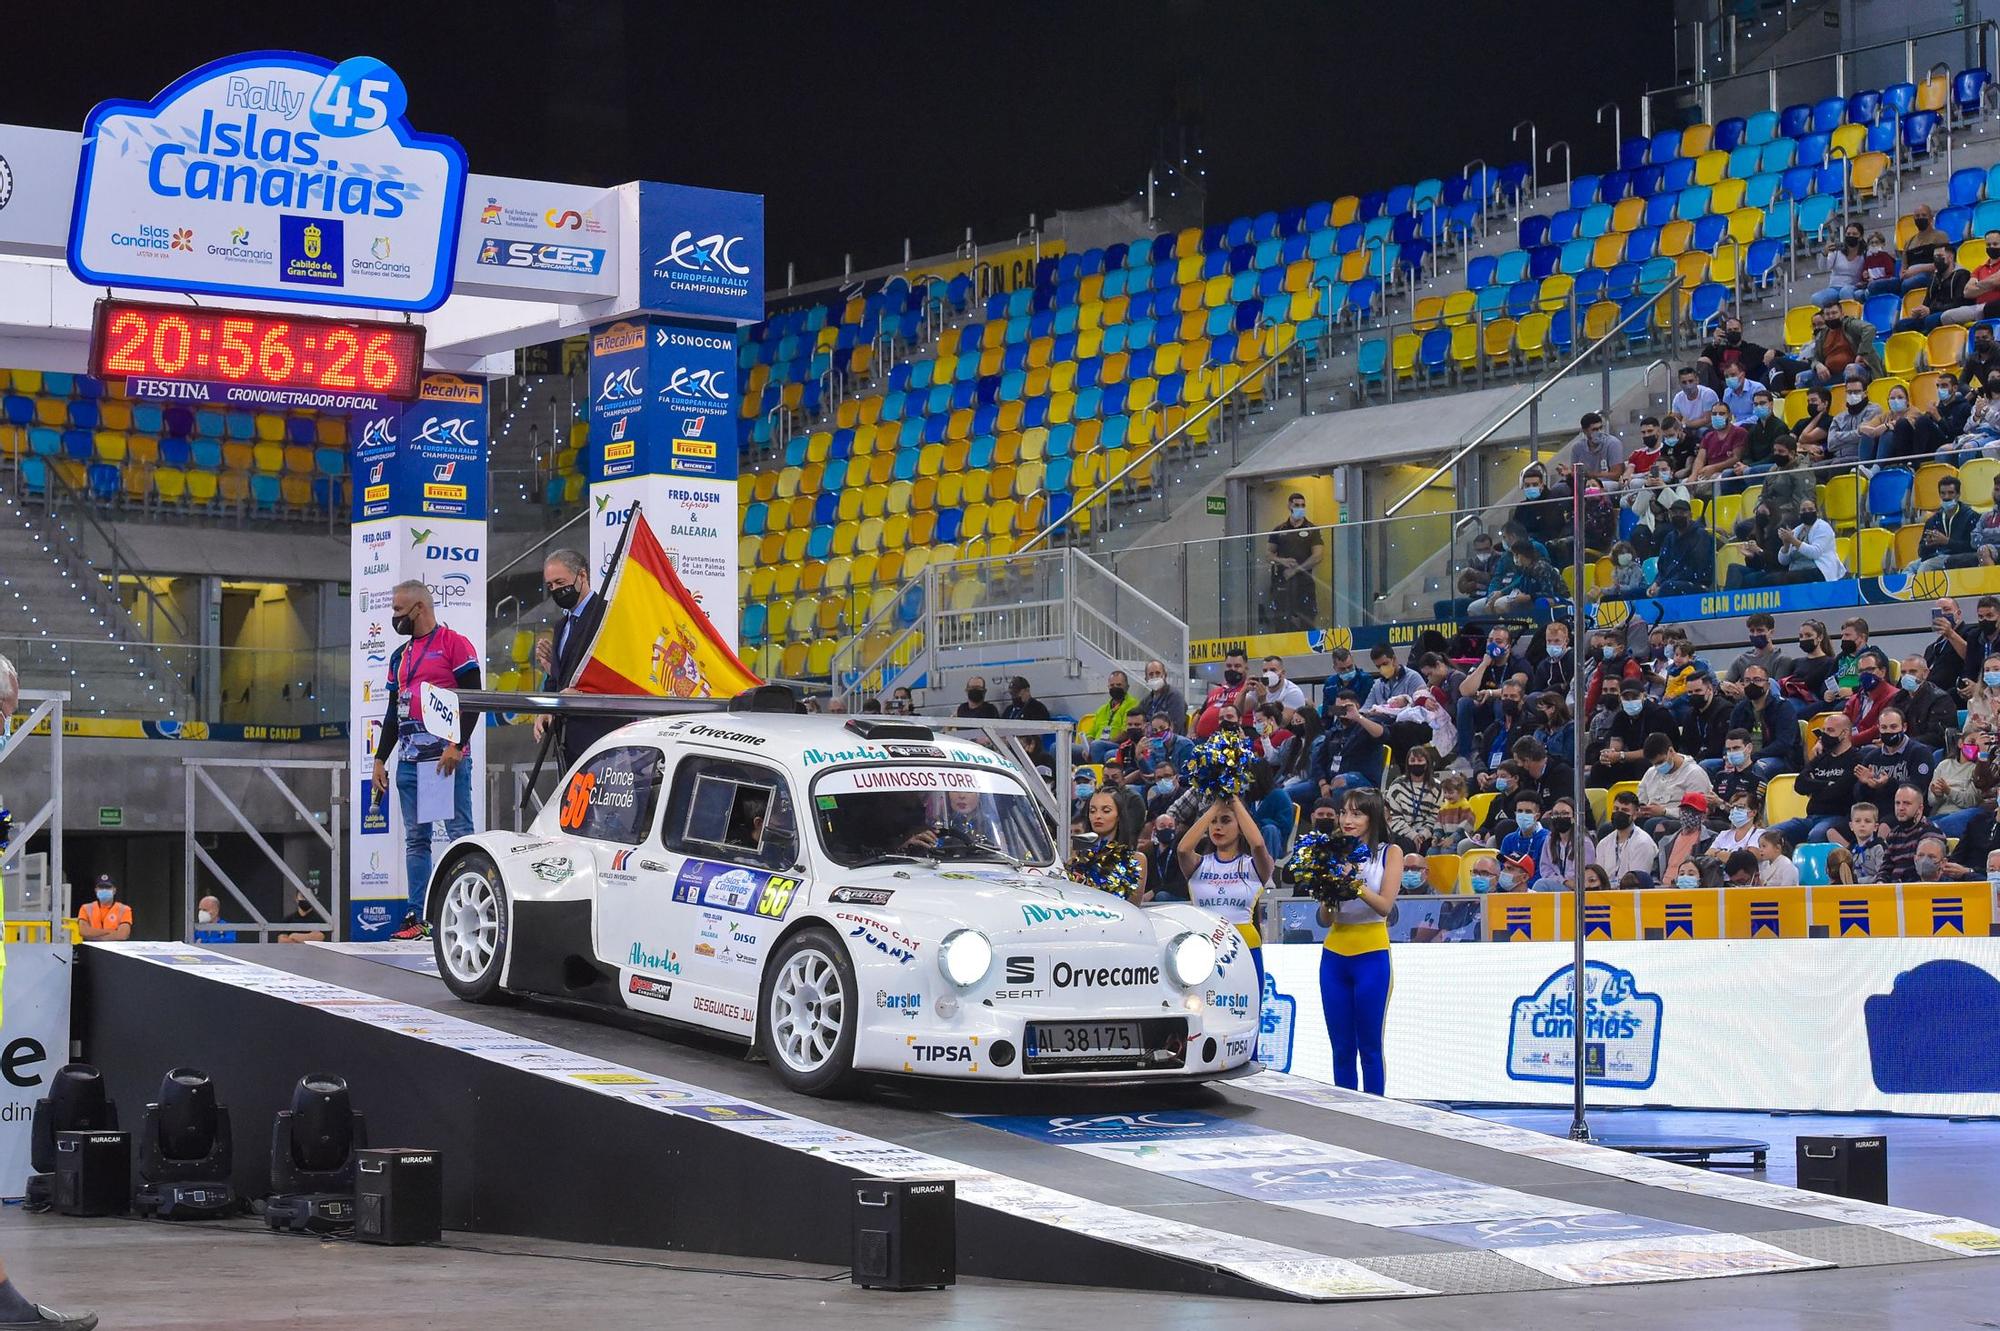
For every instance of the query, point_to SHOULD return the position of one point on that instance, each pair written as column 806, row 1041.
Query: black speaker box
column 398, row 1196
column 905, row 1233
column 1856, row 1167
column 93, row 1173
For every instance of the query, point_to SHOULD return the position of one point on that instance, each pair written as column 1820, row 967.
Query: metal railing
column 277, row 686
column 45, row 708
column 1531, row 403
column 327, row 825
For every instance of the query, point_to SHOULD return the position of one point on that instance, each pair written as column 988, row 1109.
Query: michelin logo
column 1621, row 1030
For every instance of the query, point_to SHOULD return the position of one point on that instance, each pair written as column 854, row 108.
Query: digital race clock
column 236, row 357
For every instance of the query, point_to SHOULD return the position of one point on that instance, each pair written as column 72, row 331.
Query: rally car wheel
column 469, row 928
column 806, row 1021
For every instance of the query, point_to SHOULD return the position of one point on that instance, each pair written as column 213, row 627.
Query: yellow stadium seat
column 1924, row 390
column 1839, row 500
column 1608, row 250
column 785, row 580
column 296, row 490
column 1726, row 197
column 1798, row 325
column 1925, row 495
column 1531, row 337
column 1931, row 93
column 1427, row 312
column 1976, row 479
column 1902, row 353
column 1675, row 237
column 171, row 484
column 1909, row 539
column 1628, row 214
column 1877, row 546
column 1782, row 800
column 138, row 478
column 1695, row 139
column 109, row 445
column 234, row 486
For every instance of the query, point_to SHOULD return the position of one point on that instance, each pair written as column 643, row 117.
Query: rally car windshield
column 905, row 815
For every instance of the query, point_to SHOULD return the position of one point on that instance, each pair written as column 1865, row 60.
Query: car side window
column 720, row 809
column 612, row 797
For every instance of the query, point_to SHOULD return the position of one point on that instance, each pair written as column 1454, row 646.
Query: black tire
column 820, row 952
column 471, row 971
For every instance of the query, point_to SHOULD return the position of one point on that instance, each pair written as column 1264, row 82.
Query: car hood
column 1005, row 903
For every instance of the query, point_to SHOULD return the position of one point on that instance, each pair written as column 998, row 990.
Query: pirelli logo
column 375, row 494
column 613, row 452
column 693, row 448
column 444, row 492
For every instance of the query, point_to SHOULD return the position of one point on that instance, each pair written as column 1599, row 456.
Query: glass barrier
column 169, row 683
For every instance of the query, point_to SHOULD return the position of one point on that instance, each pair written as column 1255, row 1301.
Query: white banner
column 34, row 1042
column 695, row 523
column 1856, row 1025
column 37, row 182
column 518, row 237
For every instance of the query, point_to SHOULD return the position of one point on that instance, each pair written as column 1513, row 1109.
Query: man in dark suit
column 566, row 578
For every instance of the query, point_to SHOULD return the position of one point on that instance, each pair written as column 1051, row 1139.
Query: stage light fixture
column 76, row 1102
column 186, row 1152
column 312, row 1157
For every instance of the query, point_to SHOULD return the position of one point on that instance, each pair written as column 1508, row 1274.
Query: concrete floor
column 140, row 1275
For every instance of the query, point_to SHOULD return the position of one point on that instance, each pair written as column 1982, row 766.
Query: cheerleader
column 1354, row 979
column 1229, row 879
column 1101, row 816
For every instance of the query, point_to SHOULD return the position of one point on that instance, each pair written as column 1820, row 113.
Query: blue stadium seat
column 1889, row 496
column 1862, row 106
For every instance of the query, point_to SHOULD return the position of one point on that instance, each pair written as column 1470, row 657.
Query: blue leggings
column 1355, row 993
column 1257, row 960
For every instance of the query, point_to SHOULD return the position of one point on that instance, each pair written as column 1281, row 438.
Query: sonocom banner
column 1904, row 1025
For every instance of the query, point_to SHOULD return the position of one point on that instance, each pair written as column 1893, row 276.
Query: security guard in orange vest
column 106, row 919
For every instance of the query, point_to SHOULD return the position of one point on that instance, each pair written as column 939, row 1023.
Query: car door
column 609, row 807
column 730, row 838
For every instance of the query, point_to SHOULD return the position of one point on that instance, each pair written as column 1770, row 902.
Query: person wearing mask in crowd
column 1961, row 784
column 1694, row 399
column 1642, row 455
column 1595, row 454
column 1354, row 975
column 1555, row 869
column 1982, row 701
column 1744, row 816
column 1920, row 256
column 1704, row 718
column 560, row 658
column 1628, row 575
column 1827, row 782
column 1739, row 867
column 1414, row 798
column 1543, row 515
column 1126, row 754
column 1906, row 832
column 104, row 918
column 1476, row 573
column 1722, row 448
column 1861, row 851
column 1549, row 775
column 1416, row 875
column 1686, row 562
column 1843, row 259
column 1105, row 819
column 1739, row 394
column 1847, row 665
column 1932, row 862
column 1892, row 760
column 1554, row 726
column 1595, row 879
column 1929, row 710
column 1669, row 775
column 1761, row 435
column 1950, row 412
column 1235, row 674
column 1510, row 723
column 1478, row 702
column 1728, row 350
column 1856, row 425
column 1556, row 668
column 1812, row 668
column 1873, row 693
column 1267, row 734
column 1946, row 292
column 1484, row 875
column 1279, row 689
column 1621, row 754
column 1683, row 840
column 1627, row 847
column 1943, row 657
column 1880, row 262
column 1978, row 640
column 1228, row 877
column 1982, row 358
column 1807, row 552
column 1774, row 861
column 1758, row 540
column 1296, row 547
column 1441, row 678
column 1524, row 580
column 1770, row 725
column 1162, row 790
column 434, row 657
column 1900, row 432
column 1811, row 429
column 975, row 705
column 1293, row 763
column 1651, row 501
column 1842, row 350
column 1342, row 673
column 1350, row 752
column 1096, row 734
column 1761, row 630
column 1163, row 699
column 1023, row 705
column 208, row 925
column 1735, row 773
column 1454, row 815
column 1946, row 541
column 1391, row 680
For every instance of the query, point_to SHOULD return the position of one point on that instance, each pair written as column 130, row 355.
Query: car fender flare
column 800, row 925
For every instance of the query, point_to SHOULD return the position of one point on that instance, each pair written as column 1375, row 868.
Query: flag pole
column 617, row 567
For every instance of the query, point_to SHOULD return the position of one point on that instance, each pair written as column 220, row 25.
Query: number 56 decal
column 776, row 897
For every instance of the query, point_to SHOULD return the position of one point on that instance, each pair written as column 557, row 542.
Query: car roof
column 799, row 741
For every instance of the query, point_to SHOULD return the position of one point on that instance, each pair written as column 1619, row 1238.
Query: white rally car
column 850, row 898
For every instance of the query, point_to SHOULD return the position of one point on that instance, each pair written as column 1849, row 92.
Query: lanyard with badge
column 414, row 740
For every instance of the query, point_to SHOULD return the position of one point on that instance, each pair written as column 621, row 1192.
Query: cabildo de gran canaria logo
column 1621, row 1030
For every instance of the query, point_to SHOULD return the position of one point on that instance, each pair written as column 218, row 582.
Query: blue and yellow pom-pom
column 1220, row 766
column 1328, row 867
column 1107, row 866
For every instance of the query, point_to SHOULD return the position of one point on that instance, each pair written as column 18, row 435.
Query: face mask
column 1620, row 820
column 1781, row 459
column 204, row 917
column 1624, row 561
column 1509, row 880
column 1117, row 692
column 1232, row 726
column 1271, row 678
column 1739, row 816
column 1232, row 677
column 975, row 695
column 1412, row 879
column 1909, row 683
column 1632, row 705
column 1527, row 822
column 1084, row 790
column 1503, row 784
column 1734, row 335
column 1415, row 771
column 1855, row 397
column 1993, row 878
column 1156, row 682
column 1753, row 692
column 104, row 895
column 1992, row 679
column 1690, row 819
column 1681, row 520
column 1718, row 422
column 1483, row 883
column 403, row 624
column 1890, row 741
column 1665, row 767
column 1808, row 516
column 566, row 597
column 1687, row 882
column 1163, row 787
column 1735, row 382
column 1557, row 650
column 1760, row 640
column 1531, row 492
column 1761, row 412
column 1298, row 510
column 1560, row 823
column 1898, row 403
column 1738, row 758
column 1869, row 680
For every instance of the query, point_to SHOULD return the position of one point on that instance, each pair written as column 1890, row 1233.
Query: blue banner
column 701, row 253
column 425, row 458
column 662, row 400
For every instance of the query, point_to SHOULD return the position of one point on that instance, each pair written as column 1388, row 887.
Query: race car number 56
column 576, row 801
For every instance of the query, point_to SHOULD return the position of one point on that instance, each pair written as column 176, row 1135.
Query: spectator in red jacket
column 1235, row 673
column 1873, row 692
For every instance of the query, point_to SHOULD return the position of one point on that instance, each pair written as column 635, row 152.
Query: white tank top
column 1358, row 911
column 1229, row 888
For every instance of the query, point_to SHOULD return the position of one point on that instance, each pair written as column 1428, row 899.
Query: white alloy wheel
column 469, row 925
column 808, row 1011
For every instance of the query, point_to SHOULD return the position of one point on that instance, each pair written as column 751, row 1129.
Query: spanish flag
column 654, row 639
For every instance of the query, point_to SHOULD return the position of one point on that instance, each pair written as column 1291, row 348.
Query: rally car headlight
column 965, row 956
column 1190, row 960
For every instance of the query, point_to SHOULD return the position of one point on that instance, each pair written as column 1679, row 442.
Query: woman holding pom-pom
column 1363, row 871
column 1232, row 874
column 1110, row 865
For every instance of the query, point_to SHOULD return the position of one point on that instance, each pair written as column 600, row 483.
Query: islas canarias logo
column 1621, row 1030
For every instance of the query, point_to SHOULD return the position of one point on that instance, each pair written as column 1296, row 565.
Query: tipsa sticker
column 733, row 888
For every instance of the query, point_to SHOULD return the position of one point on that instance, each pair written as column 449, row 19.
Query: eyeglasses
column 553, row 587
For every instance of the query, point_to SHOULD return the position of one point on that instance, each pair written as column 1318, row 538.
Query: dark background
column 863, row 124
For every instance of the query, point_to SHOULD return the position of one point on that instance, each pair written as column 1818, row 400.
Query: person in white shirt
column 1691, row 404
column 1745, row 830
column 1627, row 848
column 1774, row 861
column 1670, row 777
column 1809, row 552
column 1277, row 688
column 1391, row 680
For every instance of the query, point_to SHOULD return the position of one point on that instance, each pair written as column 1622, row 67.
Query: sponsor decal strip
column 1954, row 1234
column 1289, row 1270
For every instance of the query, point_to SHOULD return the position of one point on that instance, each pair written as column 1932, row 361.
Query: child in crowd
column 1774, row 860
column 1860, row 860
column 1454, row 815
column 1628, row 574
